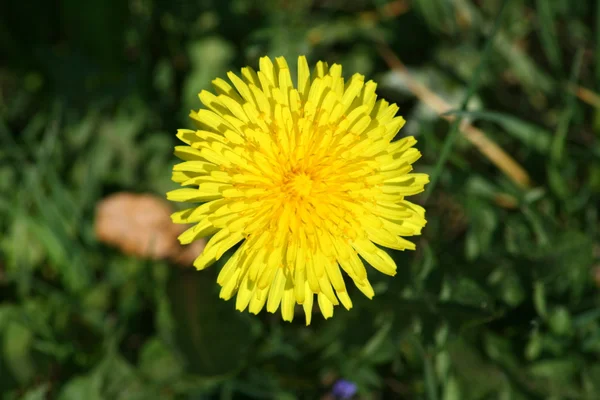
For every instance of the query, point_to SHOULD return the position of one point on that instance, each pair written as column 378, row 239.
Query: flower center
column 299, row 185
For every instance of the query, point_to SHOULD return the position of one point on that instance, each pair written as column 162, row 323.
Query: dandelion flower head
column 306, row 181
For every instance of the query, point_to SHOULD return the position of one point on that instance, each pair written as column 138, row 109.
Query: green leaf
column 119, row 378
column 564, row 267
column 84, row 387
column 508, row 286
column 591, row 378
column 500, row 350
column 442, row 364
column 452, row 390
column 112, row 378
column 377, row 341
column 480, row 379
column 539, row 299
column 483, row 222
column 469, row 292
column 558, row 371
column 212, row 337
column 560, row 321
column 158, row 363
column 38, row 393
column 17, row 349
column 534, row 346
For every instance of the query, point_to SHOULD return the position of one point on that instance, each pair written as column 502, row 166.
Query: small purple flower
column 344, row 389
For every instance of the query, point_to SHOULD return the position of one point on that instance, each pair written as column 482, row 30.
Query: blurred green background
column 500, row 301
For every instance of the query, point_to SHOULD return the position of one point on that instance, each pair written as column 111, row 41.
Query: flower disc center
column 299, row 185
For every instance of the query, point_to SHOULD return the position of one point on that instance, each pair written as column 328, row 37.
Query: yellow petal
column 258, row 300
column 245, row 292
column 288, row 302
column 308, row 303
column 376, row 257
column 276, row 291
column 325, row 305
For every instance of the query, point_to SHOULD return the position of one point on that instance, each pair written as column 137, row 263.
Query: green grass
column 498, row 302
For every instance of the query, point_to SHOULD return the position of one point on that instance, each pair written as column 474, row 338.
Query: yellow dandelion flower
column 306, row 179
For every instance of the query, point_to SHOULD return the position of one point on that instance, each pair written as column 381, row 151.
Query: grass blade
column 548, row 35
column 454, row 129
column 558, row 144
column 531, row 135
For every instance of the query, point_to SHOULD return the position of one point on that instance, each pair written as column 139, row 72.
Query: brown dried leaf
column 140, row 225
